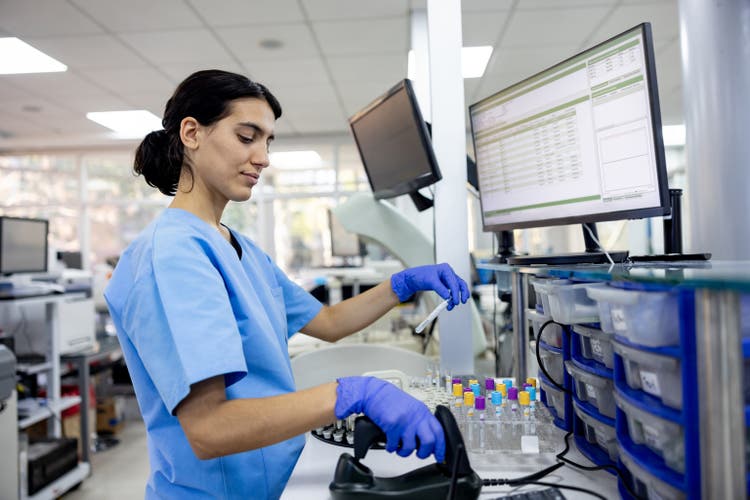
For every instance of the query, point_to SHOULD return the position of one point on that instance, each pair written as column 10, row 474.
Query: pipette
column 432, row 316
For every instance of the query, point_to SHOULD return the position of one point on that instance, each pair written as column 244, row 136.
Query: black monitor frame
column 5, row 272
column 661, row 169
column 416, row 183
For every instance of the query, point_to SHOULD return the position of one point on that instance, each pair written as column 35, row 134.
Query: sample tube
column 469, row 406
column 523, row 400
column 513, row 399
column 480, row 405
column 476, row 389
column 531, row 381
column 489, row 385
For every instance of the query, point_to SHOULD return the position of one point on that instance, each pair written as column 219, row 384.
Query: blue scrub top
column 186, row 308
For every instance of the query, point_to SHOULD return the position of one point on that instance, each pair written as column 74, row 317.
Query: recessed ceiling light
column 296, row 159
column 127, row 124
column 17, row 56
column 270, row 43
column 473, row 61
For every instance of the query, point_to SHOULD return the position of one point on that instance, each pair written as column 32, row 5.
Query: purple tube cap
column 489, row 384
column 480, row 403
column 457, row 380
column 513, row 393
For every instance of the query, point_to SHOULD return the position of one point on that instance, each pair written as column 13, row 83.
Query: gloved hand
column 437, row 277
column 402, row 417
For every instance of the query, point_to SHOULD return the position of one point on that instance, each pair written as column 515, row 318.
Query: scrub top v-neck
column 189, row 305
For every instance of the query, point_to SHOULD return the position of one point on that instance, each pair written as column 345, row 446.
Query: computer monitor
column 580, row 142
column 343, row 243
column 72, row 260
column 395, row 145
column 23, row 245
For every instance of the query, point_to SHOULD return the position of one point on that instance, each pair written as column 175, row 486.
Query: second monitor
column 577, row 143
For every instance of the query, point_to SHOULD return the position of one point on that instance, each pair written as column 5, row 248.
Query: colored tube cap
column 497, row 398
column 503, row 390
column 480, row 403
column 476, row 389
column 531, row 381
column 458, row 390
column 457, row 380
column 508, row 383
column 523, row 398
column 489, row 384
column 513, row 393
column 469, row 398
column 473, row 381
column 532, row 393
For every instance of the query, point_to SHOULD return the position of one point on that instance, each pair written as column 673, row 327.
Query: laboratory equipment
column 579, row 142
column 654, row 373
column 344, row 244
column 395, row 146
column 434, row 314
column 353, row 480
column 23, row 245
column 593, row 344
column 596, row 389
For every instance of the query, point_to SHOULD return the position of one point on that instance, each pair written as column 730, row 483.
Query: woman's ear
column 189, row 132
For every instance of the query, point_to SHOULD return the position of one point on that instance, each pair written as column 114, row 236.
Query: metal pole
column 722, row 419
column 520, row 327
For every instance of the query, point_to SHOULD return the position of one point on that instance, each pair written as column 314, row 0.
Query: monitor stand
column 672, row 236
column 592, row 255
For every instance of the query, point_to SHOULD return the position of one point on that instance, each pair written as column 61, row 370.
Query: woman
column 204, row 316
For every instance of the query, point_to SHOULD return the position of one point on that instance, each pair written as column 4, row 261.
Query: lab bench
column 656, row 356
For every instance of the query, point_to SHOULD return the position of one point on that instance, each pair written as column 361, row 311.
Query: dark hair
column 206, row 96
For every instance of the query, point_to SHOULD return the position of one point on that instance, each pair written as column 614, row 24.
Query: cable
column 566, row 487
column 539, row 358
column 591, row 233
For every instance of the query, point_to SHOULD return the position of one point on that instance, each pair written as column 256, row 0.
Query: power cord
column 539, row 358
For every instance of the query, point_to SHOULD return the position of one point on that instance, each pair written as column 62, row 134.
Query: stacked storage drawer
column 565, row 302
column 655, row 390
column 591, row 371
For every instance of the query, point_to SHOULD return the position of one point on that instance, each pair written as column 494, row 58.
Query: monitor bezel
column 661, row 165
column 3, row 271
column 413, row 185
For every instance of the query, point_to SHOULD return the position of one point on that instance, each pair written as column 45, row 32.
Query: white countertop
column 314, row 472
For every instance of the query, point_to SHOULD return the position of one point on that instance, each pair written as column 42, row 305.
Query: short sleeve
column 301, row 307
column 181, row 322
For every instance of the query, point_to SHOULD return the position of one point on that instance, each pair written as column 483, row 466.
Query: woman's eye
column 244, row 139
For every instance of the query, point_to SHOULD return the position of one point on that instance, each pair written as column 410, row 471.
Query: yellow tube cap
column 531, row 381
column 524, row 398
column 458, row 390
column 469, row 398
column 503, row 390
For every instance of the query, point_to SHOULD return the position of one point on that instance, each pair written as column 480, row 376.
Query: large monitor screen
column 578, row 142
column 23, row 245
column 394, row 143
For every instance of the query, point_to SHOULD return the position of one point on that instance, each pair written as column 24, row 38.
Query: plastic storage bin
column 593, row 389
column 596, row 345
column 553, row 362
column 648, row 486
column 552, row 333
column 648, row 318
column 663, row 437
column 541, row 291
column 569, row 303
column 555, row 397
column 655, row 374
column 598, row 432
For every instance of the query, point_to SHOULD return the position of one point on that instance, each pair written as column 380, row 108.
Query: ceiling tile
column 179, row 71
column 669, row 68
column 552, row 27
column 10, row 90
column 664, row 19
column 14, row 125
column 287, row 72
column 511, row 65
column 245, row 12
column 57, row 85
column 244, row 42
column 388, row 68
column 485, row 5
column 149, row 101
column 318, row 10
column 306, row 106
column 358, row 96
column 363, row 37
column 85, row 103
column 178, row 46
column 555, row 4
column 41, row 18
column 130, row 81
column 140, row 15
column 482, row 28
column 92, row 51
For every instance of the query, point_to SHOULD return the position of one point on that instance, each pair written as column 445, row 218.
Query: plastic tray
column 553, row 362
column 593, row 389
column 552, row 333
column 596, row 345
column 646, row 485
column 597, row 432
column 569, row 302
column 648, row 318
column 663, row 437
column 655, row 374
column 555, row 398
column 541, row 291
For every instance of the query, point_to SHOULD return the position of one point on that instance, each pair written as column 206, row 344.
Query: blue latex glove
column 402, row 417
column 437, row 277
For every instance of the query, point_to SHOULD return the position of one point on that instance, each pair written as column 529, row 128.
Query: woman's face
column 232, row 153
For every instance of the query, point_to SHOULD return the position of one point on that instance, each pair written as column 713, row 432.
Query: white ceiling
column 337, row 55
